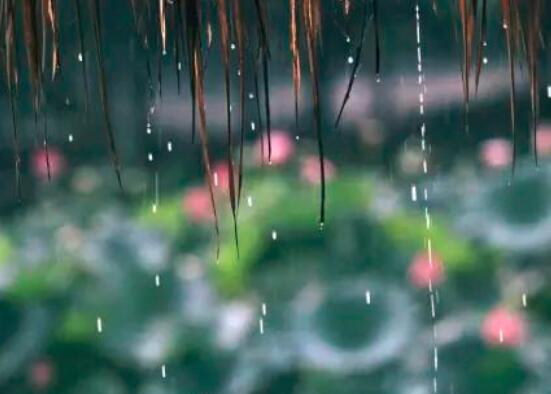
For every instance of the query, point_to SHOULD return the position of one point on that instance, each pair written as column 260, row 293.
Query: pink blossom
column 502, row 327
column 543, row 140
column 39, row 163
column 425, row 271
column 282, row 145
column 41, row 374
column 496, row 153
column 197, row 205
column 310, row 170
column 221, row 177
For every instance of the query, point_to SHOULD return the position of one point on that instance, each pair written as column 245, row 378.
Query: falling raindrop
column 70, row 138
column 253, row 126
column 524, row 302
column 163, row 371
column 261, row 325
column 169, row 146
column 274, row 235
column 251, row 95
column 99, row 325
column 249, row 201
column 263, row 309
column 485, row 60
column 80, row 57
column 154, row 208
column 350, row 60
column 157, row 280
column 150, row 156
column 549, row 91
column 368, row 297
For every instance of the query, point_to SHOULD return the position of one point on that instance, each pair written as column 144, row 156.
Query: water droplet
column 250, row 201
column 368, row 297
column 157, row 280
column 347, row 39
column 413, row 193
column 150, row 156
column 80, row 57
column 163, row 371
column 154, row 208
column 350, row 60
column 232, row 46
column 274, row 235
column 485, row 60
column 253, row 126
column 322, row 226
column 251, row 96
column 70, row 138
column 179, row 66
column 524, row 302
column 549, row 91
column 264, row 309
column 261, row 326
column 99, row 325
column 169, row 146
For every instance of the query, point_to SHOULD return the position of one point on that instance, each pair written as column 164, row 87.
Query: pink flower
column 197, row 204
column 310, row 170
column 39, row 163
column 41, row 374
column 282, row 145
column 424, row 271
column 543, row 140
column 496, row 153
column 502, row 327
column 221, row 176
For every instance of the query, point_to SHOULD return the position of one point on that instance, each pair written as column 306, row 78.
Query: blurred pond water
column 110, row 292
